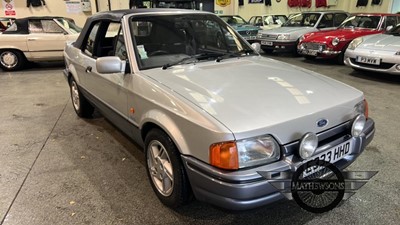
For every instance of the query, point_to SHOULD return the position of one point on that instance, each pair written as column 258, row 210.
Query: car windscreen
column 170, row 39
column 370, row 22
column 303, row 20
column 234, row 20
column 69, row 25
column 275, row 19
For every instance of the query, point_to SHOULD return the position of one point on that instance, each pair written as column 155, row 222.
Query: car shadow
column 374, row 76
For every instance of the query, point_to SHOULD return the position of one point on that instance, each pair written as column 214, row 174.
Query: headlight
column 361, row 108
column 358, row 125
column 244, row 153
column 356, row 42
column 335, row 41
column 257, row 151
column 308, row 145
column 283, row 37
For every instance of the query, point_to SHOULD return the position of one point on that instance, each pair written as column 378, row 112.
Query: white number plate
column 269, row 43
column 310, row 52
column 332, row 155
column 368, row 60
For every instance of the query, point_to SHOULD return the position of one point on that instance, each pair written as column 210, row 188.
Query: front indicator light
column 224, row 155
column 308, row 145
column 358, row 125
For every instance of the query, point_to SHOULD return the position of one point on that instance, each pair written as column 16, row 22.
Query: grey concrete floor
column 56, row 168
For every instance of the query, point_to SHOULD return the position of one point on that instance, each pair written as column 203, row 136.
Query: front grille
column 248, row 32
column 269, row 36
column 325, row 137
column 381, row 66
column 314, row 46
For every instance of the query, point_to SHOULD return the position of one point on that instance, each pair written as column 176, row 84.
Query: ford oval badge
column 322, row 122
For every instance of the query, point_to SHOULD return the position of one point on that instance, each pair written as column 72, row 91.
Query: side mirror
column 110, row 64
column 256, row 46
column 389, row 28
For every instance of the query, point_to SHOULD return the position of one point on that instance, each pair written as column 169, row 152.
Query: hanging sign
column 9, row 8
column 223, row 3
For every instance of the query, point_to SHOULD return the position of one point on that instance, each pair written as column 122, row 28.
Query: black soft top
column 116, row 16
column 23, row 23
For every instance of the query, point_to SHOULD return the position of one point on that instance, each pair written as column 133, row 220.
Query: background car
column 247, row 31
column 5, row 22
column 267, row 22
column 333, row 44
column 210, row 116
column 34, row 39
column 287, row 37
column 377, row 53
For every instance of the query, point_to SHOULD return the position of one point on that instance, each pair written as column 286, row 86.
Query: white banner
column 9, row 8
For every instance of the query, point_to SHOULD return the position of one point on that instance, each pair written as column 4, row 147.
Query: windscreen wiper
column 201, row 56
column 241, row 53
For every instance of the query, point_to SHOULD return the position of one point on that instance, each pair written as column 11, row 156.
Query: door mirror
column 110, row 64
column 256, row 46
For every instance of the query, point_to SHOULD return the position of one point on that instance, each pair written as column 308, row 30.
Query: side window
column 338, row 19
column 35, row 26
column 252, row 20
column 91, row 39
column 391, row 21
column 49, row 26
column 326, row 21
column 120, row 49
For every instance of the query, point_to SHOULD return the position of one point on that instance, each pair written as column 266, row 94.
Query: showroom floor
column 56, row 168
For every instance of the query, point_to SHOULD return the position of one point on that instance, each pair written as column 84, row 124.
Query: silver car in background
column 209, row 114
column 377, row 53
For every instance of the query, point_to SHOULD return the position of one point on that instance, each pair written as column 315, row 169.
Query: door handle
column 88, row 69
column 32, row 39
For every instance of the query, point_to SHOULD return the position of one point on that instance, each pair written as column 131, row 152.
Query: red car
column 333, row 43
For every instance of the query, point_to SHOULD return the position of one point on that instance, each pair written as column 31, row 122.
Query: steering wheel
column 158, row 52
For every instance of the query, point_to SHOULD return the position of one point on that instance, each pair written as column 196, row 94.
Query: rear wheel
column 11, row 60
column 81, row 105
column 165, row 170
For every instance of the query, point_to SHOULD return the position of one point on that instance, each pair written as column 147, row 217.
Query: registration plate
column 332, row 155
column 368, row 60
column 310, row 52
column 269, row 43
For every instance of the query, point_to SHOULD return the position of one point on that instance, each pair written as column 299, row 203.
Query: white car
column 267, row 22
column 377, row 53
column 34, row 39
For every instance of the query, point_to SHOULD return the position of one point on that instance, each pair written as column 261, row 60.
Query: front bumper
column 388, row 65
column 246, row 189
column 317, row 50
column 277, row 45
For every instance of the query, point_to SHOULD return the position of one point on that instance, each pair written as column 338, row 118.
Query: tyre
column 267, row 50
column 340, row 57
column 11, row 60
column 166, row 173
column 81, row 105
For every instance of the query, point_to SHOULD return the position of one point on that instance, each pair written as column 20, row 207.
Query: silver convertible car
column 377, row 53
column 209, row 114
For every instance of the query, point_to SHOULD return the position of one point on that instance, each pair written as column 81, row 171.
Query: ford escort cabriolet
column 35, row 39
column 210, row 115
